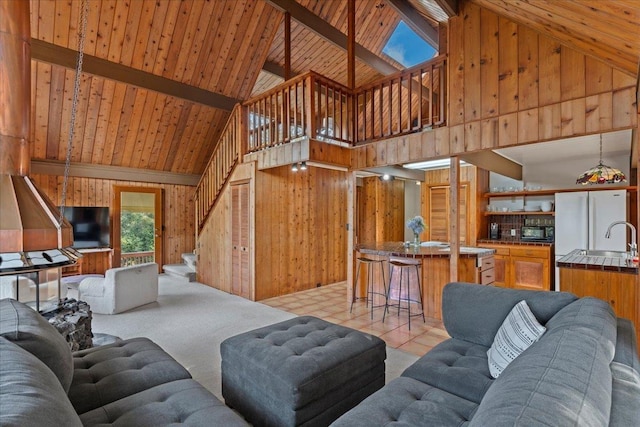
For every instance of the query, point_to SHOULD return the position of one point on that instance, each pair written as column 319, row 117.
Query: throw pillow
column 519, row 330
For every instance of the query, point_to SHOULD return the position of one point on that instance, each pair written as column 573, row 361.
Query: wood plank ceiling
column 220, row 47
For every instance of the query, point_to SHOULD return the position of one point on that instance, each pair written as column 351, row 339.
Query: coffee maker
column 494, row 231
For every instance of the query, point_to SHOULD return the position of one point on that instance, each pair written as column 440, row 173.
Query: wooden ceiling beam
column 274, row 68
column 416, row 22
column 450, row 7
column 58, row 55
column 328, row 32
column 493, row 162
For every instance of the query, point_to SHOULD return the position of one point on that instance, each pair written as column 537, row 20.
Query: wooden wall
column 214, row 241
column 179, row 233
column 380, row 211
column 300, row 232
column 515, row 87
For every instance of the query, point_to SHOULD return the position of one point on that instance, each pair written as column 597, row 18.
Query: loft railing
column 135, row 258
column 308, row 105
column 405, row 102
column 314, row 106
column 224, row 158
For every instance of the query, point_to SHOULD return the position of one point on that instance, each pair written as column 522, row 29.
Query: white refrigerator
column 582, row 219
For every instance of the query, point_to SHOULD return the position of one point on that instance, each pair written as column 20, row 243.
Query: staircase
column 185, row 270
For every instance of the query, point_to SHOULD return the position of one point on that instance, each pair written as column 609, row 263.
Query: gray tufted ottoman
column 303, row 371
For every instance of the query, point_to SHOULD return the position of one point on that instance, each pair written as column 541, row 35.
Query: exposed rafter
column 415, row 21
column 58, row 55
column 494, row 162
column 331, row 34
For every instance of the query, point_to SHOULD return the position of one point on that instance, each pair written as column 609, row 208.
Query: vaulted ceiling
column 161, row 76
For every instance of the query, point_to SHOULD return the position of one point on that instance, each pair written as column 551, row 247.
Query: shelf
column 554, row 191
column 552, row 213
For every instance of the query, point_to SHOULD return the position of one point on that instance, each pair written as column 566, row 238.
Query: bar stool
column 402, row 294
column 370, row 263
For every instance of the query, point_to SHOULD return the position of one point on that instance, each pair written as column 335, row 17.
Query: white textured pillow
column 518, row 331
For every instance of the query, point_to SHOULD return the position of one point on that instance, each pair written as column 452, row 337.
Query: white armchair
column 121, row 289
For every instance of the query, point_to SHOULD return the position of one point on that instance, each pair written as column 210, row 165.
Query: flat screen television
column 91, row 226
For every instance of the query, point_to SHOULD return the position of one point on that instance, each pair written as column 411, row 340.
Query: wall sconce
column 303, row 166
column 294, row 167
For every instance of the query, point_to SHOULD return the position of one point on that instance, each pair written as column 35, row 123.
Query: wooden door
column 147, row 203
column 240, row 240
column 440, row 211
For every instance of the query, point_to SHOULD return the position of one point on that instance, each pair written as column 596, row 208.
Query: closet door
column 440, row 212
column 241, row 279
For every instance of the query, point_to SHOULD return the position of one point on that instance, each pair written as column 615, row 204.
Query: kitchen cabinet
column 522, row 266
column 617, row 288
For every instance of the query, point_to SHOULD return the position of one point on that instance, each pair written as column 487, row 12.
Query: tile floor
column 330, row 303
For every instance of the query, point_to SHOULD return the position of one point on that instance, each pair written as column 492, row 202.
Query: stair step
column 180, row 270
column 189, row 259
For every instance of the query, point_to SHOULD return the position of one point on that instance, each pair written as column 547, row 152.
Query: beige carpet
column 190, row 320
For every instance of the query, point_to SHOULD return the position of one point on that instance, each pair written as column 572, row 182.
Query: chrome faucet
column 633, row 246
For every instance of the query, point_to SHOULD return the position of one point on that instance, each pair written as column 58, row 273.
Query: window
column 406, row 47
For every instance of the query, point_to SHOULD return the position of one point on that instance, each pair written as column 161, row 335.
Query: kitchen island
column 475, row 265
column 608, row 275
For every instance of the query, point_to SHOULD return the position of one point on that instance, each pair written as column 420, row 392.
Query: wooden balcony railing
column 135, row 258
column 405, row 102
column 224, row 158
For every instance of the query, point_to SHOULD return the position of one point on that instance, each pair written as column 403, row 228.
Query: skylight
column 408, row 48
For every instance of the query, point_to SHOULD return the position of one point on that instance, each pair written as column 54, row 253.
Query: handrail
column 224, row 158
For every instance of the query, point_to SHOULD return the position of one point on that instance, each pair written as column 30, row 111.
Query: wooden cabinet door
column 530, row 273
column 240, row 259
column 501, row 270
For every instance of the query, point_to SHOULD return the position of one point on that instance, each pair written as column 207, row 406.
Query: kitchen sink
column 608, row 254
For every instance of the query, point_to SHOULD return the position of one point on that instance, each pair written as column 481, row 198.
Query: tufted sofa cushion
column 28, row 329
column 178, row 402
column 107, row 373
column 303, row 370
column 455, row 366
column 30, row 394
column 408, row 402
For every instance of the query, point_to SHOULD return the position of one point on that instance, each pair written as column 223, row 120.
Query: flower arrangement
column 416, row 224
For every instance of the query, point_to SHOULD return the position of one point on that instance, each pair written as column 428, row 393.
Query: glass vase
column 416, row 239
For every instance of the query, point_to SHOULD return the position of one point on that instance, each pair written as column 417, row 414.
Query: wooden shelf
column 552, row 192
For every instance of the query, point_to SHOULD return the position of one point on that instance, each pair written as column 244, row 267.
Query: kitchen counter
column 426, row 250
column 576, row 259
column 514, row 242
column 475, row 265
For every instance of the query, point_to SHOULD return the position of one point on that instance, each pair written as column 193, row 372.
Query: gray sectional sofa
column 583, row 371
column 128, row 383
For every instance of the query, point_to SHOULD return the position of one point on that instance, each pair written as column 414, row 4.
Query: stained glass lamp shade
column 601, row 174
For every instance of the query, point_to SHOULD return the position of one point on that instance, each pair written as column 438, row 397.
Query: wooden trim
column 491, row 161
column 58, row 55
column 450, row 7
column 416, row 22
column 119, row 173
column 322, row 28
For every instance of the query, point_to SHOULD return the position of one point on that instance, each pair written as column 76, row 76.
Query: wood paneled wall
column 179, row 232
column 214, row 241
column 380, row 211
column 300, row 230
column 510, row 85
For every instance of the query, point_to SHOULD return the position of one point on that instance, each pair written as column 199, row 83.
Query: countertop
column 426, row 250
column 576, row 259
column 513, row 242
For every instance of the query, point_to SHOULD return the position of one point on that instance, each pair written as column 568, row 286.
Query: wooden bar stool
column 404, row 290
column 371, row 291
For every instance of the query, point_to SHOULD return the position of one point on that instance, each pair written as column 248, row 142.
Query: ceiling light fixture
column 294, row 167
column 303, row 166
column 387, row 177
column 601, row 174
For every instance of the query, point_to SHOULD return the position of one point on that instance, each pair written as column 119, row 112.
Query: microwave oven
column 537, row 233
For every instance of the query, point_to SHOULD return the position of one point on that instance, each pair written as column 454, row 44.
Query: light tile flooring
column 330, row 303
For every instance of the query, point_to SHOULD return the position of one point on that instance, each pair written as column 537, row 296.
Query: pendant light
column 601, row 174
